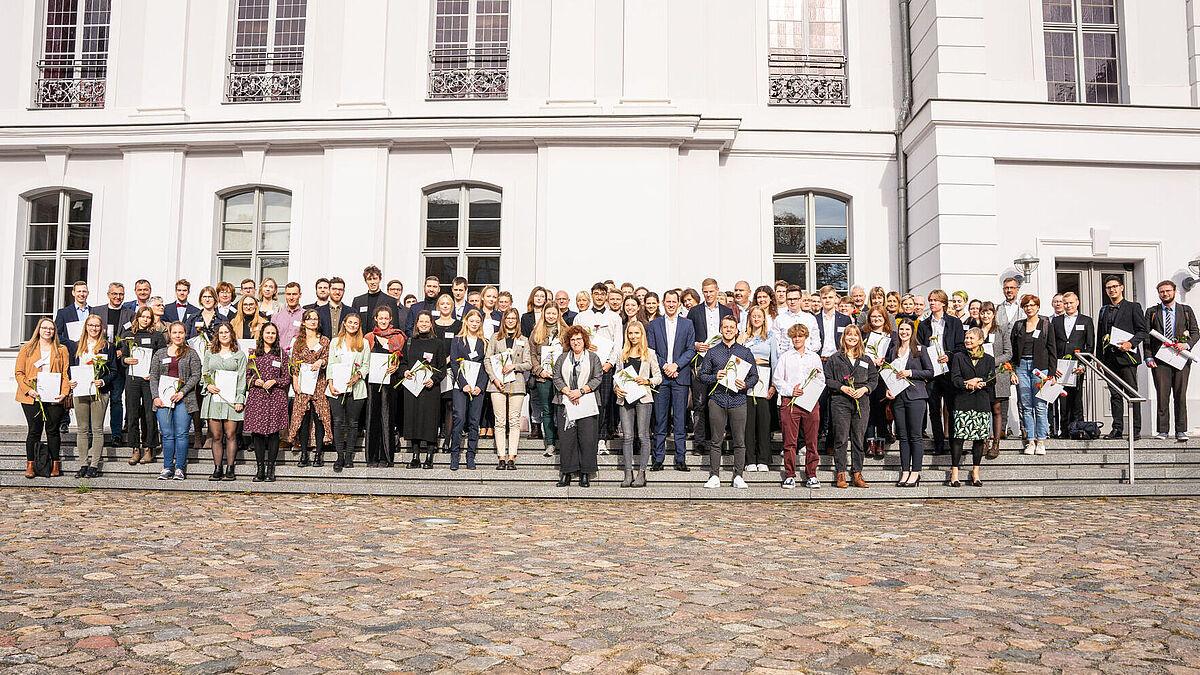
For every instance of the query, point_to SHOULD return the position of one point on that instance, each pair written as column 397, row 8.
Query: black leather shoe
column 93, row 472
column 428, row 463
column 1113, row 435
column 584, row 481
column 564, row 481
column 415, row 462
column 657, row 466
column 218, row 473
column 82, row 472
column 681, row 466
column 229, row 475
column 317, row 459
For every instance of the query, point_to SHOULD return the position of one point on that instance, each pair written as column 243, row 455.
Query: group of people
column 250, row 367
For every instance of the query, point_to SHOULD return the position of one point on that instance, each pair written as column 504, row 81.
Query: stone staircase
column 1069, row 468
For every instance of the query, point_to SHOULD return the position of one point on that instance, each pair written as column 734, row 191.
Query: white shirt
column 786, row 320
column 1011, row 310
column 794, row 368
column 829, row 347
column 670, row 324
column 712, row 320
column 1069, row 323
column 742, row 316
column 606, row 324
column 939, row 326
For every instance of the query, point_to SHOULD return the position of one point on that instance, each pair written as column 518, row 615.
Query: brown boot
column 858, row 481
column 136, row 456
column 993, row 450
column 148, row 456
column 29, row 470
column 841, row 480
column 55, row 469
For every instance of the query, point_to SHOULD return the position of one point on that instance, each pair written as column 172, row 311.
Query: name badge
column 128, row 324
column 145, row 341
column 862, row 363
column 363, row 308
column 449, row 335
column 520, row 342
column 166, row 361
column 42, row 362
column 1078, row 327
column 295, row 324
column 199, row 324
column 841, row 328
column 276, row 364
column 428, row 356
column 1037, row 333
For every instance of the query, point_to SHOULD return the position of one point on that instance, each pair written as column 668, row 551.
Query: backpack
column 1084, row 430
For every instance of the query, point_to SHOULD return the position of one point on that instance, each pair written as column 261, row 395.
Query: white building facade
column 563, row 141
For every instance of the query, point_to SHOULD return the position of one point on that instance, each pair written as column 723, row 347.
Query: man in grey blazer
column 1007, row 313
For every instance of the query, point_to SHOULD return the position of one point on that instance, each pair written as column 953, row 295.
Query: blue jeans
column 173, row 425
column 467, row 411
column 1033, row 409
column 670, row 403
column 116, row 408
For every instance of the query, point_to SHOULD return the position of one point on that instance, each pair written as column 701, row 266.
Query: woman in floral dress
column 310, row 350
column 267, row 401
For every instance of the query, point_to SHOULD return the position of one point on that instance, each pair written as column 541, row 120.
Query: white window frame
column 256, row 253
column 60, row 255
column 267, row 51
column 462, row 252
column 810, row 258
column 801, row 63
column 480, row 76
column 1077, row 29
column 75, row 61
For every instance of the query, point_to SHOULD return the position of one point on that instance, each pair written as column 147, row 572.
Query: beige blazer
column 521, row 364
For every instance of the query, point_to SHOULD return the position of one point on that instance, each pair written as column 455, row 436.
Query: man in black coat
column 1073, row 332
column 1177, row 322
column 950, row 332
column 365, row 304
column 1121, row 356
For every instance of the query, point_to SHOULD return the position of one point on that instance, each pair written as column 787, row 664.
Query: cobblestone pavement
column 206, row 583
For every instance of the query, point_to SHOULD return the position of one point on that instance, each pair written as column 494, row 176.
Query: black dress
column 421, row 413
column 441, row 333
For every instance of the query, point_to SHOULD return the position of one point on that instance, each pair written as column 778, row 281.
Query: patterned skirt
column 972, row 425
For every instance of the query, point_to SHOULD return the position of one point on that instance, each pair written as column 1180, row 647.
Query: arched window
column 255, row 235
column 812, row 240
column 462, row 234
column 58, row 232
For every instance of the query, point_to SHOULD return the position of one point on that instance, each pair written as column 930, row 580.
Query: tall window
column 58, row 231
column 812, row 240
column 268, row 51
column 462, row 235
column 74, row 65
column 807, row 52
column 469, row 58
column 1088, row 28
column 255, row 235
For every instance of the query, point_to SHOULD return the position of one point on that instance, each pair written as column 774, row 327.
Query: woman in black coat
column 972, row 373
column 421, row 412
column 910, row 405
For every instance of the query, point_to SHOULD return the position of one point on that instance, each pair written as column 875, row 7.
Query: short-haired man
column 458, row 289
column 741, row 304
column 948, row 331
column 1121, row 356
column 799, row 370
column 1057, row 304
column 706, row 323
column 1176, row 322
column 473, row 300
column 248, row 287
column 141, row 294
column 331, row 314
column 365, row 304
column 321, row 288
column 792, row 313
column 1008, row 313
column 181, row 309
column 432, row 288
column 395, row 288
column 288, row 319
column 68, row 321
column 673, row 339
column 117, row 319
column 858, row 300
column 563, row 300
column 781, row 287
column 1073, row 332
column 605, row 325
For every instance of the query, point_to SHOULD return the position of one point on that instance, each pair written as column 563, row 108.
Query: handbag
column 41, row 461
column 1084, row 430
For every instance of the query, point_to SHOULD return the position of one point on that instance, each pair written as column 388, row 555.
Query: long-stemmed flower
column 462, row 371
column 892, row 368
column 804, row 385
column 849, row 380
column 1128, row 355
column 709, row 342
column 627, row 378
column 418, row 367
column 731, row 364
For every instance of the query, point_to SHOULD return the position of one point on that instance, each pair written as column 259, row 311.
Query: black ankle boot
column 218, row 473
column 303, row 458
column 428, row 464
column 565, row 480
column 261, row 474
column 415, row 462
column 229, row 475
column 318, row 460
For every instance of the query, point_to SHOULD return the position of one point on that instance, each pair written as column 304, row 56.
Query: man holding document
column 1172, row 333
column 728, row 370
column 1073, row 332
column 1121, row 327
column 800, row 380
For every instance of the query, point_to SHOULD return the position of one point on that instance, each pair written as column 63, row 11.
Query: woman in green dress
column 223, row 409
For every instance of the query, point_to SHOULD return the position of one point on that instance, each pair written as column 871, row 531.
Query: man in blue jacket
column 672, row 337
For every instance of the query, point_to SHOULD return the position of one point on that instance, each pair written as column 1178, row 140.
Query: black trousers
column 699, row 406
column 343, row 417
column 758, row 430
column 38, row 423
column 1128, row 374
column 1070, row 407
column 1171, row 384
column 848, row 427
column 304, row 433
column 909, row 416
column 941, row 408
column 140, row 423
column 577, row 445
column 606, row 401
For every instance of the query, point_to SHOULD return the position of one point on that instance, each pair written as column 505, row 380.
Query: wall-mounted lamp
column 1027, row 265
column 1194, row 268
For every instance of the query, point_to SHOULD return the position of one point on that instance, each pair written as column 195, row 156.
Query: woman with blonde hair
column 546, row 337
column 468, row 346
column 760, row 340
column 42, row 354
column 635, row 415
column 247, row 321
column 268, row 297
column 95, row 351
column 345, row 406
column 506, row 386
column 223, row 409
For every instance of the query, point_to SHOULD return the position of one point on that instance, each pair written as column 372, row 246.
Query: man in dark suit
column 1073, row 332
column 1177, row 322
column 141, row 295
column 117, row 319
column 830, row 326
column 365, row 304
column 75, row 312
column 949, row 331
column 564, row 307
column 706, row 323
column 321, row 287
column 1121, row 356
column 333, row 313
column 432, row 288
column 181, row 309
column 673, row 339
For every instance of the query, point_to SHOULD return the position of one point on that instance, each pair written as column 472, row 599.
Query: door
column 1086, row 280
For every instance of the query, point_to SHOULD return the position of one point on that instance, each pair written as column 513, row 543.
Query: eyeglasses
column 1112, row 287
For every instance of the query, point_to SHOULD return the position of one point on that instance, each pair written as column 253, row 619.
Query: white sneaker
column 763, row 468
column 1029, row 448
column 789, row 483
column 165, row 474
column 1040, row 448
column 751, row 467
column 549, row 451
column 178, row 475
column 713, row 483
column 739, row 483
column 812, row 483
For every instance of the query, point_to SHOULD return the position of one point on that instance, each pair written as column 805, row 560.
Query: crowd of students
column 849, row 374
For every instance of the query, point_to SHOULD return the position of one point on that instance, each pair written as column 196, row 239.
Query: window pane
column 829, row 211
column 275, row 267
column 77, row 237
column 1100, row 67
column 484, row 203
column 274, row 236
column 833, row 274
column 831, row 241
column 482, row 271
column 42, row 238
column 442, row 205
column 39, row 300
column 44, row 209
column 484, row 218
column 237, row 237
column 789, row 240
column 484, row 233
column 276, row 206
column 1098, row 11
column 74, row 269
column 792, row 272
column 80, row 209
column 441, row 234
column 234, row 270
column 445, row 268
column 1060, row 66
column 1058, row 11
column 240, row 208
column 39, row 273
column 29, row 324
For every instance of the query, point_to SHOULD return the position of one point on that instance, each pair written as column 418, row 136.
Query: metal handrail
column 1127, row 392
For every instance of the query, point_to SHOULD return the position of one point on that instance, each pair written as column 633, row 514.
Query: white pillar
column 644, row 54
column 364, row 55
column 164, row 41
column 572, row 53
column 148, row 239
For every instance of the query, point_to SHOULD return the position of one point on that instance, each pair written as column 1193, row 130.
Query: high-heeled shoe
column 953, row 483
column 916, row 483
column 975, row 482
column 901, row 482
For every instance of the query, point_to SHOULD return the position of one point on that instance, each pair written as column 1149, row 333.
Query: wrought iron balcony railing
column 264, row 77
column 70, row 83
column 799, row 79
column 468, row 73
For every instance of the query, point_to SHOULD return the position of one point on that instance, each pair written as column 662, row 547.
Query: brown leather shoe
column 29, row 470
column 148, row 456
column 859, row 482
column 136, row 456
column 55, row 469
column 841, row 481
